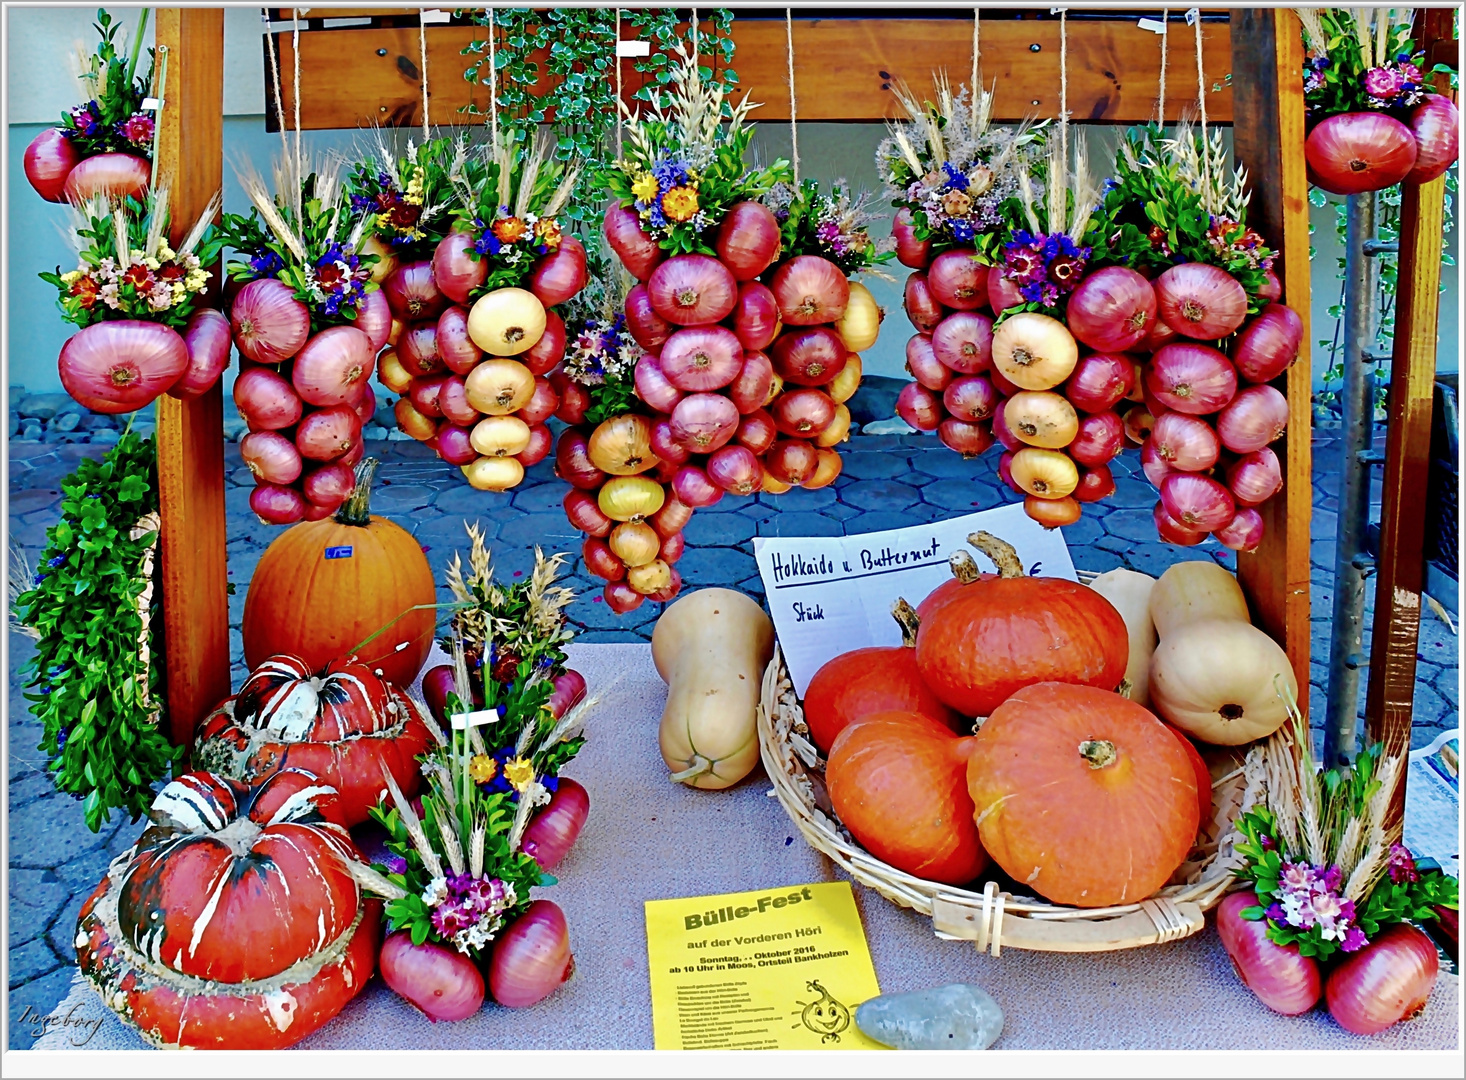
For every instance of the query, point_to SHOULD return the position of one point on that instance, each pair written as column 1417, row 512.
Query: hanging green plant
column 97, row 674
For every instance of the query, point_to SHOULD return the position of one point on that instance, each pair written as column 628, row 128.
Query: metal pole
column 1355, row 437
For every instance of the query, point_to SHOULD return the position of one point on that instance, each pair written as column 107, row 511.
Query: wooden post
column 190, row 436
column 1267, row 127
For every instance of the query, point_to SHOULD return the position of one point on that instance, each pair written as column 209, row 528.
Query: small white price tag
column 1192, row 15
column 464, row 721
column 633, row 47
column 433, row 15
column 1155, row 26
column 151, row 104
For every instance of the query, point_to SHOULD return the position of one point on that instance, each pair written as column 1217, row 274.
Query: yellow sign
column 773, row 969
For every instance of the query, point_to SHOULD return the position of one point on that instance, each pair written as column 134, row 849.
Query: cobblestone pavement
column 888, row 481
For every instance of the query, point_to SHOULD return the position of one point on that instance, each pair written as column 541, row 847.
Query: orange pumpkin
column 322, row 588
column 1082, row 795
column 998, row 634
column 882, row 678
column 898, row 781
column 1203, row 773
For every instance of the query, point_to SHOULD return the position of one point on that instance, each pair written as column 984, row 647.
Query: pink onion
column 549, row 350
column 266, row 400
column 326, row 434
column 704, row 422
column 1268, row 344
column 452, row 343
column 553, row 830
column 971, row 398
column 1199, row 300
column 1387, row 981
column 673, row 546
column 632, row 245
column 621, row 598
column 1096, row 482
column 1197, row 502
column 1189, row 378
column 1187, row 443
column 1243, row 532
column 963, row 341
column 1349, row 153
column 1272, row 286
column 755, row 379
column 374, row 319
column 115, row 175
column 1111, row 310
column 1005, row 470
column 453, row 401
column 542, row 403
column 365, row 405
column 600, row 560
column 1100, row 438
column 968, row 439
column 1256, row 477
column 1155, row 467
column 653, row 387
column 1256, row 417
column 1002, row 293
column 803, row 413
column 1160, row 334
column 748, row 240
column 584, row 512
column 736, row 470
column 664, row 443
column 921, row 306
column 277, row 505
column 810, row 355
column 442, row 983
column 317, row 513
column 1283, row 979
column 810, row 290
column 328, row 485
column 455, row 271
column 757, row 431
column 920, row 407
column 922, row 363
column 206, row 335
column 270, row 324
column 424, row 394
column 412, row 293
column 454, row 443
column 49, row 159
column 573, row 463
column 1436, row 125
column 1004, row 435
column 673, row 517
column 333, row 366
column 1100, row 381
column 271, row 457
column 541, row 442
column 648, row 328
column 121, row 365
column 1172, row 531
column 791, row 461
column 694, row 488
column 755, row 315
column 574, row 400
column 417, row 349
column 692, row 290
column 701, row 358
column 909, row 250
column 437, row 684
column 957, row 280
column 561, row 274
column 569, row 692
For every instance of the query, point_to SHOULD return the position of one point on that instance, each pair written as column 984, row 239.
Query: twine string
column 696, row 43
column 1201, row 104
column 295, row 48
column 1161, row 100
column 976, row 66
column 493, row 88
column 793, row 101
column 1064, row 68
column 160, row 82
column 617, row 37
column 275, row 74
column 422, row 43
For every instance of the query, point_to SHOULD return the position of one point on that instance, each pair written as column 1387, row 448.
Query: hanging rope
column 976, row 67
column 422, row 43
column 793, row 101
column 1161, row 100
column 493, row 89
column 295, row 48
column 160, row 82
column 696, row 44
column 618, row 83
column 1064, row 68
column 1201, row 104
column 275, row 74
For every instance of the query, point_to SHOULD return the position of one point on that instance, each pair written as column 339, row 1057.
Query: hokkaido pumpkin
column 999, row 634
column 878, row 679
column 1082, row 795
column 1203, row 774
column 322, row 588
column 964, row 572
column 898, row 781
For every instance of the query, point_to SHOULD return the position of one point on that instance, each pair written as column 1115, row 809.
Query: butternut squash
column 1222, row 681
column 1191, row 591
column 1129, row 592
column 711, row 647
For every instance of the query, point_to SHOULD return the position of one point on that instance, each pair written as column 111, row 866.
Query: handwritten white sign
column 831, row 594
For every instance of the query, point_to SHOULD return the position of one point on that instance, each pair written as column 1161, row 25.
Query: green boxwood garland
column 105, row 740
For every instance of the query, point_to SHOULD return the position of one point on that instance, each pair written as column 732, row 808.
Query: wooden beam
column 844, row 69
column 190, row 437
column 1268, row 137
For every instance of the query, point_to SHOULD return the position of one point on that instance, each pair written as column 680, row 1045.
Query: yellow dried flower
column 645, row 187
column 70, row 276
column 680, row 203
column 519, row 772
column 482, row 768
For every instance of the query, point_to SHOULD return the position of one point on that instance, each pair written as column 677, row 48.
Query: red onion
column 452, row 343
column 1002, row 293
column 963, row 341
column 652, row 385
column 757, row 431
column 791, row 461
column 453, row 402
column 554, row 829
column 957, row 280
column 365, row 404
column 569, row 692
column 1256, row 477
column 1387, row 981
column 673, row 546
column 1005, row 469
column 454, row 443
column 921, row 306
column 574, row 400
column 692, row 290
column 116, row 175
column 1172, row 531
column 1096, row 482
column 804, row 412
column 443, row 984
column 968, row 439
column 328, row 485
column 600, row 560
column 694, row 488
column 1201, row 301
column 1100, row 438
column 1111, row 310
column 455, row 271
column 809, row 356
column 674, row 515
column 621, row 597
column 1100, row 381
column 1257, row 416
column 701, row 358
column 750, row 390
column 648, row 328
column 437, row 684
column 971, row 398
column 922, row 363
column 584, row 512
column 374, row 319
column 664, row 443
column 1197, row 502
column 353, row 456
column 1243, row 532
column 270, row 324
column 326, row 434
column 1189, row 378
column 266, row 400
column 424, row 394
column 1183, row 442
column 1271, row 288
column 909, row 250
column 1006, row 386
column 120, row 366
column 412, row 293
column 206, row 335
column 1139, row 422
column 919, row 407
column 1003, row 433
column 573, row 463
column 549, row 350
column 271, row 457
column 704, row 422
column 417, row 349
column 748, row 239
column 1436, row 125
column 1282, row 979
column 1268, row 344
column 736, row 470
column 755, row 315
column 1355, row 152
column 333, row 366
column 561, row 274
column 1160, row 334
column 636, row 250
column 810, row 290
column 49, row 159
column 1155, row 467
column 542, row 403
column 276, row 505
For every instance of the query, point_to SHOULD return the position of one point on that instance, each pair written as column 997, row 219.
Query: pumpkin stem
column 1098, row 752
column 702, row 766
column 1003, row 554
column 905, row 616
column 357, row 509
column 964, row 567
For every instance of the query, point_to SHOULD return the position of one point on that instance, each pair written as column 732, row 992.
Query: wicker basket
column 992, row 918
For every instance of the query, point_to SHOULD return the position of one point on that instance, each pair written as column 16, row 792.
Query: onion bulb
column 542, row 404
column 755, row 378
column 963, row 341
column 843, row 386
column 1098, row 439
column 703, row 423
column 1096, row 482
column 755, row 317
column 967, row 438
column 649, row 329
column 810, row 290
column 1111, row 310
column 1048, row 474
column 652, row 385
column 920, row 407
column 553, row 830
column 115, row 175
column 497, row 387
column 827, row 468
column 560, row 274
column 573, row 463
column 922, row 363
column 837, row 431
column 121, row 365
column 266, row 400
column 1243, row 532
column 1041, row 418
column 1034, row 351
column 506, row 322
column 735, row 469
column 326, row 434
column 1354, row 152
column 922, row 308
column 455, row 271
column 701, row 358
column 909, row 250
column 630, row 498
column 455, row 348
column 549, row 350
column 271, row 457
column 270, row 324
column 391, row 373
column 757, row 431
column 635, row 543
column 493, row 473
column 1256, row 477
column 49, row 158
column 621, row 597
column 650, row 577
column 417, row 348
column 1172, row 531
column 541, row 442
column 1191, row 378
column 1002, row 292
column 792, row 461
column 206, row 335
column 693, row 488
column 440, row 982
column 1387, row 981
column 636, row 249
column 748, row 239
column 803, row 413
column 808, row 356
column 500, row 436
column 1199, row 300
column 412, row 293
column 1197, row 502
column 374, row 319
column 1100, row 381
column 957, row 280
column 1052, row 513
column 582, row 511
column 1256, row 417
column 1268, row 344
column 454, row 443
column 333, row 366
column 414, row 423
column 861, row 323
column 1283, row 979
column 1184, row 442
column 1436, row 125
column 692, row 290
column 277, row 505
column 621, row 446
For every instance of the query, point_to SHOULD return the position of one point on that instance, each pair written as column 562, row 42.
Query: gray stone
column 375, row 433
column 715, row 566
column 799, row 524
column 800, row 499
column 963, row 496
column 958, row 1016
column 873, row 466
column 30, row 961
column 30, row 430
column 98, row 422
column 37, row 998
column 398, row 436
column 718, row 530
column 14, row 427
column 880, row 495
column 55, row 833
column 942, row 462
column 875, row 400
column 894, row 426
column 42, row 406
column 35, row 897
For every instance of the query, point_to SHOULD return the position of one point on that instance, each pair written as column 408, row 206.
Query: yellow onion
column 861, row 323
column 392, row 374
column 1048, row 474
column 630, row 498
column 635, row 543
column 649, row 578
column 843, row 386
column 420, row 427
column 838, row 431
column 394, row 331
column 493, row 473
column 776, row 387
column 773, row 485
column 621, row 446
column 499, row 387
column 507, row 322
column 386, row 261
column 500, row 436
column 1041, row 418
column 1034, row 352
column 827, row 467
